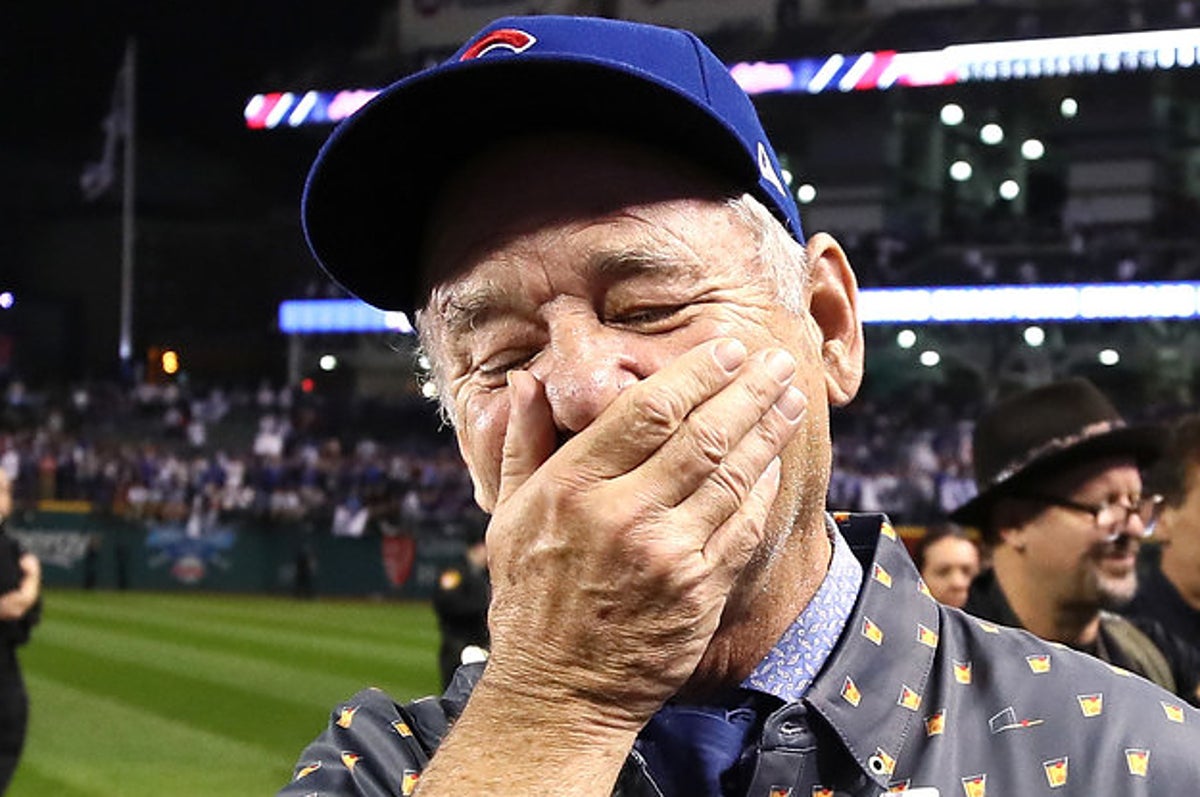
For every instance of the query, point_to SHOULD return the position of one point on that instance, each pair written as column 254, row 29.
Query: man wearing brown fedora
column 1061, row 506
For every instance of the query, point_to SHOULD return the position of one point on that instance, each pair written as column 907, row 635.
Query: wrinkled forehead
column 521, row 185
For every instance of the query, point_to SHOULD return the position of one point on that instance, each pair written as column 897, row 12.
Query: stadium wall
column 96, row 551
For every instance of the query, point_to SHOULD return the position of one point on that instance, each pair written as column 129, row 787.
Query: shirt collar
column 791, row 665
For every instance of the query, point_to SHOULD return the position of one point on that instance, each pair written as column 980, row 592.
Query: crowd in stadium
column 166, row 453
column 159, row 452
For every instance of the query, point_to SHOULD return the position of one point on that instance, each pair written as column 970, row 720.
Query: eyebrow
column 464, row 308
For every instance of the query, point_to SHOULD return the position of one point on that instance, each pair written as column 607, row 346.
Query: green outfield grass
column 171, row 694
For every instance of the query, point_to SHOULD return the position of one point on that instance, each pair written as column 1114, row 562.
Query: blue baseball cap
column 369, row 193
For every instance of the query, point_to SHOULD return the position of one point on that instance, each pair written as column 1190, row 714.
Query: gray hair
column 785, row 258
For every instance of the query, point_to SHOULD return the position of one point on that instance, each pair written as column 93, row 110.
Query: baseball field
column 141, row 695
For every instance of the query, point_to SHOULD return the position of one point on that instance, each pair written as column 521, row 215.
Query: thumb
column 530, row 436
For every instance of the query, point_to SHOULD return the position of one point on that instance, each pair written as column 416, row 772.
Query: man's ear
column 834, row 308
column 1008, row 519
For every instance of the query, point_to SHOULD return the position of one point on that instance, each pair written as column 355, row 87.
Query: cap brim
column 371, row 188
column 1144, row 443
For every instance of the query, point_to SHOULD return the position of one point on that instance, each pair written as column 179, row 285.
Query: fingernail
column 730, row 354
column 771, row 472
column 781, row 365
column 792, row 403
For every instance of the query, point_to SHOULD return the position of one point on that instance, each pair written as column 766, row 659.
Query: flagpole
column 125, row 346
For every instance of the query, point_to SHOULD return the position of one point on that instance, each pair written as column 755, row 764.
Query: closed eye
column 645, row 316
column 494, row 370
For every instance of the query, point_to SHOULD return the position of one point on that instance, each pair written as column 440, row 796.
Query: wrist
column 521, row 742
column 576, row 712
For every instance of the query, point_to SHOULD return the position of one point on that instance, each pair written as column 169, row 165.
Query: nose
column 583, row 368
column 1130, row 527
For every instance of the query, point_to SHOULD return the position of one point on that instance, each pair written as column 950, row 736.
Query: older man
column 1062, row 508
column 638, row 349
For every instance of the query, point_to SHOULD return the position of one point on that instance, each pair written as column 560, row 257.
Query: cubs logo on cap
column 510, row 39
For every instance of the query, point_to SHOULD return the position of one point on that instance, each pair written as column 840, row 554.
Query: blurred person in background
column 460, row 601
column 948, row 560
column 1170, row 591
column 638, row 350
column 1060, row 505
column 20, row 609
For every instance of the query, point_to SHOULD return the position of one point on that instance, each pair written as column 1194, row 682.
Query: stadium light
column 991, row 134
column 1069, row 108
column 1032, row 149
column 930, row 358
column 327, row 363
column 960, row 171
column 806, row 193
column 952, row 114
column 1108, row 357
column 1009, row 189
column 7, row 300
column 1034, row 336
column 906, row 338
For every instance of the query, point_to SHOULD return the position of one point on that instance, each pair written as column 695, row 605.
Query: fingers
column 649, row 413
column 530, row 436
column 723, row 445
column 730, row 547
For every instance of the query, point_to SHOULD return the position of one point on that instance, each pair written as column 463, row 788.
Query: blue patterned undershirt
column 789, row 667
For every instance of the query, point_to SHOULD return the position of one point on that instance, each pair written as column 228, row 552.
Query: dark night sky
column 198, row 62
column 218, row 239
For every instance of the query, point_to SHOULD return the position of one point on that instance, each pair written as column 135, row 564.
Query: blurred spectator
column 461, row 601
column 20, row 609
column 948, row 560
column 1170, row 592
column 350, row 518
column 1061, row 507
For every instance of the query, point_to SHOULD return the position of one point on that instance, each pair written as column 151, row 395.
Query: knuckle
column 774, row 432
column 710, row 442
column 732, row 484
column 759, row 393
column 660, row 411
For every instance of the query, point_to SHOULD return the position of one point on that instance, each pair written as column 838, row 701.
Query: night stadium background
column 241, row 443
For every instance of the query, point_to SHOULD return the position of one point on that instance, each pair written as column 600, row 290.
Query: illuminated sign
column 300, row 316
column 957, row 63
column 1133, row 301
